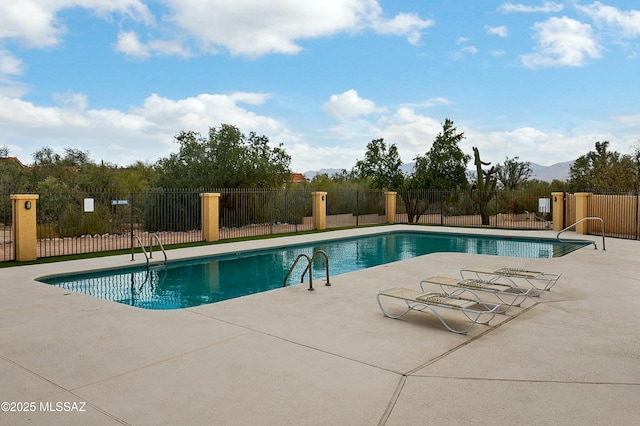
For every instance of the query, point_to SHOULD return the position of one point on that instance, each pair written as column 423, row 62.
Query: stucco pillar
column 582, row 211
column 319, row 210
column 23, row 208
column 210, row 216
column 390, row 207
column 557, row 199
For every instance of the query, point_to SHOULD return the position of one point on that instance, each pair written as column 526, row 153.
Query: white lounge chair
column 509, row 294
column 536, row 279
column 472, row 307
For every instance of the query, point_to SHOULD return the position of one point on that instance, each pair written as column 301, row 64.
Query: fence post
column 390, row 207
column 210, row 216
column 582, row 211
column 24, row 230
column 558, row 210
column 319, row 210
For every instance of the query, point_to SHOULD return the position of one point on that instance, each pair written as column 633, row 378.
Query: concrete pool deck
column 328, row 357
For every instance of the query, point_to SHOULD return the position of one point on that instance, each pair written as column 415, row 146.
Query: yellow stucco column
column 210, row 216
column 557, row 200
column 23, row 208
column 319, row 210
column 390, row 207
column 582, row 211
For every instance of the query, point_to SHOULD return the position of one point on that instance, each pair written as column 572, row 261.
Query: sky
column 538, row 80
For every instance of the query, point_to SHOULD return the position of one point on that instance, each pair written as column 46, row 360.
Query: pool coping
column 329, row 356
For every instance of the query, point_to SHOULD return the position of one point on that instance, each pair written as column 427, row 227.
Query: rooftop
column 291, row 356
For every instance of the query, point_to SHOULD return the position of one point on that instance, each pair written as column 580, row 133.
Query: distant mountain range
column 558, row 171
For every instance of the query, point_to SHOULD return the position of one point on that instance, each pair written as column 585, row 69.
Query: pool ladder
column 309, row 268
column 144, row 251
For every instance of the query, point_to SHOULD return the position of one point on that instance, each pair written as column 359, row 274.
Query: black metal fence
column 72, row 222
column 502, row 209
column 251, row 212
column 6, row 243
column 355, row 208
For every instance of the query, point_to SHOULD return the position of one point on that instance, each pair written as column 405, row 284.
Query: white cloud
column 472, row 50
column 547, row 7
column 203, row 111
column 408, row 24
column 627, row 22
column 413, row 133
column 255, row 27
column 145, row 132
column 349, row 105
column 129, row 44
column 9, row 64
column 34, row 22
column 500, row 31
column 562, row 42
column 429, row 103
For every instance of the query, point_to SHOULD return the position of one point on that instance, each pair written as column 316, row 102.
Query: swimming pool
column 193, row 282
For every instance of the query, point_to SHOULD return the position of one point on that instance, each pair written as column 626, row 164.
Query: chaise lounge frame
column 472, row 307
column 508, row 294
column 538, row 280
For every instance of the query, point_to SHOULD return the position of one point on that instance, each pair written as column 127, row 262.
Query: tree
column 513, row 172
column 381, row 164
column 603, row 170
column 226, row 159
column 444, row 166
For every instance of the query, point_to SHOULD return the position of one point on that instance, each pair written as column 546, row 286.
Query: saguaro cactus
column 482, row 192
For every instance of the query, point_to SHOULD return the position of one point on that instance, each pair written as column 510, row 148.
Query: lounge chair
column 536, row 279
column 472, row 307
column 509, row 294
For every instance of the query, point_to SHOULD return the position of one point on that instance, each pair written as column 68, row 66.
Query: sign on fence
column 119, row 202
column 544, row 205
column 88, row 205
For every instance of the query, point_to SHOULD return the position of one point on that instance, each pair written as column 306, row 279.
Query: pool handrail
column 583, row 220
column 326, row 265
column 308, row 268
column 157, row 237
column 143, row 250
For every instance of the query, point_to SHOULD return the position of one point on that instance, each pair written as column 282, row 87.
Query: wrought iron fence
column 74, row 222
column 252, row 212
column 7, row 252
column 355, row 208
column 504, row 209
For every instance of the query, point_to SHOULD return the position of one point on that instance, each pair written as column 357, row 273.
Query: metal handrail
column 300, row 256
column 159, row 243
column 326, row 264
column 308, row 268
column 582, row 220
column 143, row 250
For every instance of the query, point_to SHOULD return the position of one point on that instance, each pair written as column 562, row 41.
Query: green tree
column 512, row 173
column 444, row 166
column 603, row 170
column 382, row 165
column 225, row 159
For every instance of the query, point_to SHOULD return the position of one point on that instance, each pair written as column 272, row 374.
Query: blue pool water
column 194, row 282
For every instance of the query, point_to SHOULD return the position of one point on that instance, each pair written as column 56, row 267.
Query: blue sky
column 539, row 80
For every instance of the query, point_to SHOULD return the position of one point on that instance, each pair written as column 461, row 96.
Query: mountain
column 310, row 174
column 559, row 171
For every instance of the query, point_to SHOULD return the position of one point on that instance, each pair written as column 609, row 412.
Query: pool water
column 194, row 282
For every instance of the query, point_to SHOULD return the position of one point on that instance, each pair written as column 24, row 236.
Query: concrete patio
column 328, row 357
